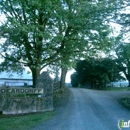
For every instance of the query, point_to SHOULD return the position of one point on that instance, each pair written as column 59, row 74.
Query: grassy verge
column 23, row 122
column 118, row 88
column 61, row 97
column 125, row 101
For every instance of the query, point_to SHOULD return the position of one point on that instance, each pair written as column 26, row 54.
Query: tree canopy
column 122, row 41
column 94, row 71
column 122, row 18
column 123, row 59
column 39, row 33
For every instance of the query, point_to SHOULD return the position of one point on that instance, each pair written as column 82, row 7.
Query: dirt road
column 88, row 110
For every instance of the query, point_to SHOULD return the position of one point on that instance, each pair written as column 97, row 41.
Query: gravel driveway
column 88, row 110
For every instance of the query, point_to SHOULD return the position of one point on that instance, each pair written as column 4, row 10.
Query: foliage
column 61, row 97
column 123, row 60
column 122, row 46
column 94, row 70
column 33, row 44
column 39, row 33
column 125, row 101
column 74, row 80
column 122, row 18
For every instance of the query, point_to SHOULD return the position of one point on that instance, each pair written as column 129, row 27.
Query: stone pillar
column 45, row 81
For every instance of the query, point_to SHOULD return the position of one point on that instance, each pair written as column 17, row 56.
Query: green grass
column 23, row 122
column 125, row 101
column 118, row 88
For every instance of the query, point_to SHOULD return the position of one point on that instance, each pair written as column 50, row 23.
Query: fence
column 23, row 83
column 15, row 82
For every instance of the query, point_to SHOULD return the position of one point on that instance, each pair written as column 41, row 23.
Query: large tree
column 87, row 32
column 95, row 70
column 30, row 33
column 123, row 59
column 42, row 32
column 122, row 46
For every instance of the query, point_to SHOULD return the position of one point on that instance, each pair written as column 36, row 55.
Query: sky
column 68, row 80
column 29, row 76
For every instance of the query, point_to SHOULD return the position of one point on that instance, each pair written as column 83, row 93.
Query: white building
column 15, row 79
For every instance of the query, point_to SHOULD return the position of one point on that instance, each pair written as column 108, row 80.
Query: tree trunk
column 129, row 82
column 128, row 78
column 63, row 77
column 35, row 74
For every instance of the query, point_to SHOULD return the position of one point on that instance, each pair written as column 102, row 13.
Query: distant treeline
column 95, row 73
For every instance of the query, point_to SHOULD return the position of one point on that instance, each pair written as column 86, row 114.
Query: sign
column 21, row 91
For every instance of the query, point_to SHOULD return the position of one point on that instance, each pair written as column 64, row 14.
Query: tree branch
column 12, row 59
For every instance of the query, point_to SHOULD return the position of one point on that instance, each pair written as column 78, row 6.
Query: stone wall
column 24, row 105
column 12, row 104
column 45, row 81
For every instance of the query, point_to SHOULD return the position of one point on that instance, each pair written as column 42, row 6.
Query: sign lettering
column 21, row 91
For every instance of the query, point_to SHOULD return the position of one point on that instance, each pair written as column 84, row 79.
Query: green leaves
column 42, row 32
column 95, row 70
column 123, row 58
